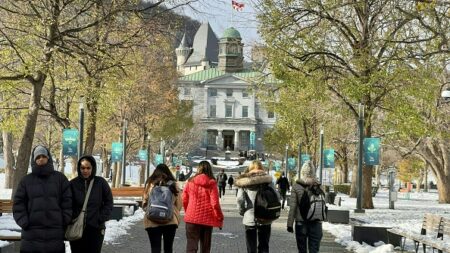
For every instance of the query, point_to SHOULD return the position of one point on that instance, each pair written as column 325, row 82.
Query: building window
column 244, row 111
column 212, row 111
column 245, row 94
column 271, row 115
column 229, row 92
column 187, row 91
column 213, row 92
column 211, row 138
column 228, row 111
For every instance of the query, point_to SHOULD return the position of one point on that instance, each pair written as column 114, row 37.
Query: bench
column 126, row 197
column 6, row 206
column 128, row 192
column 433, row 228
column 444, row 231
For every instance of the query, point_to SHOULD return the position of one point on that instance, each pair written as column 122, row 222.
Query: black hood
column 44, row 170
column 91, row 159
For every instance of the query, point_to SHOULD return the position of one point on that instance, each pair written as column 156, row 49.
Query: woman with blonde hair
column 257, row 234
column 202, row 208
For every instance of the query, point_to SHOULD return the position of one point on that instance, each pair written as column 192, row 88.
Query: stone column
column 236, row 140
column 219, row 140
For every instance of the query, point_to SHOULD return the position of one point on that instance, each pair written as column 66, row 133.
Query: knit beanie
column 40, row 150
column 307, row 171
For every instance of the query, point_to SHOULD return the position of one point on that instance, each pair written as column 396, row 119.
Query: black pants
column 91, row 241
column 196, row 233
column 167, row 233
column 283, row 197
column 222, row 190
column 257, row 238
column 308, row 235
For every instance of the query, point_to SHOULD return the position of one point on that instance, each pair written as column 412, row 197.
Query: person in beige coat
column 166, row 231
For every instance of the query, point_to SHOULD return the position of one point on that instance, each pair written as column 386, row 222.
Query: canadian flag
column 237, row 6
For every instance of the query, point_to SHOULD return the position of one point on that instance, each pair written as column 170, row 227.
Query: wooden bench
column 126, row 197
column 128, row 192
column 443, row 232
column 6, row 207
column 430, row 234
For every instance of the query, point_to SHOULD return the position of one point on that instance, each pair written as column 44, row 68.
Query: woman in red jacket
column 202, row 209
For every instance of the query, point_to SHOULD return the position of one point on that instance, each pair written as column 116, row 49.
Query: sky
column 221, row 15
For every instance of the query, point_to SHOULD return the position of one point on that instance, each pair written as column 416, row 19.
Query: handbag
column 75, row 229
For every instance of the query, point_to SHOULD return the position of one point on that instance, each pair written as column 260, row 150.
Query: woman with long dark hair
column 158, row 229
column 202, row 209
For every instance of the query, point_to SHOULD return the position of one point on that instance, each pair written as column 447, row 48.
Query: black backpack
column 312, row 204
column 267, row 204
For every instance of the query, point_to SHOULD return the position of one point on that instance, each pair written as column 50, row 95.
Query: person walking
column 202, row 209
column 257, row 235
column 283, row 187
column 222, row 182
column 308, row 234
column 99, row 206
column 157, row 230
column 42, row 205
column 231, row 181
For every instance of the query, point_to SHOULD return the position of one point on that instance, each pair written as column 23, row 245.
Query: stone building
column 215, row 78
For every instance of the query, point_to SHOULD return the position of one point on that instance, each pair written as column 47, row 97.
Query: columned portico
column 236, row 140
column 219, row 140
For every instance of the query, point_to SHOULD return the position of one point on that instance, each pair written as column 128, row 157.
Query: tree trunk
column 345, row 169
column 92, row 127
column 367, row 202
column 106, row 165
column 119, row 174
column 23, row 157
column 425, row 184
column 114, row 177
column 142, row 170
column 62, row 163
column 74, row 162
column 9, row 159
column 354, row 185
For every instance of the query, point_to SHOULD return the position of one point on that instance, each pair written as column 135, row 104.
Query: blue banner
column 372, row 151
column 116, row 151
column 70, row 142
column 291, row 164
column 305, row 157
column 143, row 156
column 277, row 165
column 158, row 159
column 328, row 158
column 252, row 140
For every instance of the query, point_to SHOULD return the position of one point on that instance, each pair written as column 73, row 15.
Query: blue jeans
column 308, row 234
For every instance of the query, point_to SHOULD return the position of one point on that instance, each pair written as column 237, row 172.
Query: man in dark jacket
column 283, row 187
column 99, row 205
column 43, row 205
column 222, row 182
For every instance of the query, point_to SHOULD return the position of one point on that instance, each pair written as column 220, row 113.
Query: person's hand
column 290, row 229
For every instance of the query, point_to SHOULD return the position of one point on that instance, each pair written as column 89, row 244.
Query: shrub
column 342, row 188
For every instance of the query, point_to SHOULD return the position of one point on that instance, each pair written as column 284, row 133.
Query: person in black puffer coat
column 99, row 206
column 42, row 205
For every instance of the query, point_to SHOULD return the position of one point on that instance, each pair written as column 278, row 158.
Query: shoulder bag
column 75, row 229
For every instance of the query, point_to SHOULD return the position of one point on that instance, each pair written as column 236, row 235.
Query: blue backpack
column 160, row 204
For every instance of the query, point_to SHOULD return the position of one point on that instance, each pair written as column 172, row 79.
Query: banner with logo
column 158, row 159
column 252, row 140
column 305, row 158
column 143, row 155
column 372, row 151
column 291, row 164
column 70, row 142
column 116, row 151
column 328, row 158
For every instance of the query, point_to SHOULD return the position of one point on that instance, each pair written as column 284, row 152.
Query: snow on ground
column 408, row 214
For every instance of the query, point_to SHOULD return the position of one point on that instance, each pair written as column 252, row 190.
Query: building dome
column 231, row 33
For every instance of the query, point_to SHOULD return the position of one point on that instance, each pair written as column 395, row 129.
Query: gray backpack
column 160, row 204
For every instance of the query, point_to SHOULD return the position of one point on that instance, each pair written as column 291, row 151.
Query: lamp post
column 299, row 162
column 321, row 154
column 360, row 159
column 124, row 153
column 148, row 155
column 286, row 160
column 81, row 127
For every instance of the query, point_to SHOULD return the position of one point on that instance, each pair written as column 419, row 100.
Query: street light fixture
column 81, row 128
column 124, row 153
column 445, row 95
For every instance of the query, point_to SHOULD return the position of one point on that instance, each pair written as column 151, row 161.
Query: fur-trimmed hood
column 307, row 182
column 253, row 178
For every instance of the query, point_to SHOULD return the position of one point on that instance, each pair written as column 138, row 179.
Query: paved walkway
column 230, row 239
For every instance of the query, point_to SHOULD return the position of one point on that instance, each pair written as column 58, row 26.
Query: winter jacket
column 283, row 183
column 222, row 179
column 43, row 208
column 100, row 203
column 296, row 195
column 201, row 202
column 176, row 208
column 250, row 183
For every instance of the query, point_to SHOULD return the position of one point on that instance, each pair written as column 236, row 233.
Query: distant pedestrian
column 181, row 177
column 99, row 206
column 231, row 181
column 308, row 234
column 283, row 187
column 202, row 209
column 166, row 231
column 43, row 205
column 257, row 235
column 222, row 182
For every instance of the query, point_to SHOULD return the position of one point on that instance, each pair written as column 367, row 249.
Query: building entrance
column 228, row 140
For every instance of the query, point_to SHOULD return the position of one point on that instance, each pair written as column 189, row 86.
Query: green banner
column 372, row 151
column 116, row 151
column 143, row 156
column 291, row 164
column 277, row 165
column 328, row 158
column 158, row 159
column 70, row 142
column 252, row 140
column 305, row 157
